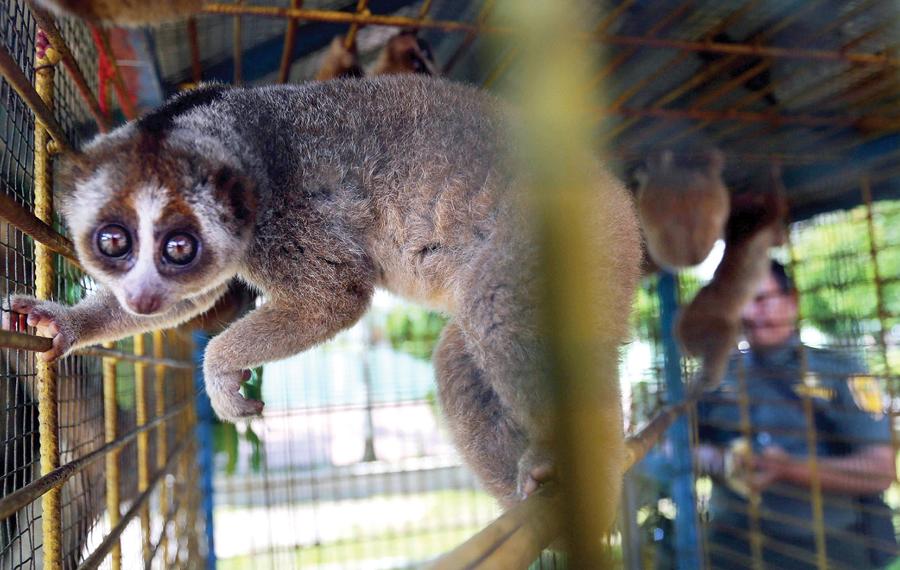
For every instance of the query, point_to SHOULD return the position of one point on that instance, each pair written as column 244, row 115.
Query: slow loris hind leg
column 482, row 428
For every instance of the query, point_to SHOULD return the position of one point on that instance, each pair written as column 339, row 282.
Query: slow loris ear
column 236, row 192
column 71, row 167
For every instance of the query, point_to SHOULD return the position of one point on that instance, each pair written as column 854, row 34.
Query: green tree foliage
column 834, row 271
column 415, row 331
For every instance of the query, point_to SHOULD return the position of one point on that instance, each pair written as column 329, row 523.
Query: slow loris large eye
column 180, row 248
column 113, row 240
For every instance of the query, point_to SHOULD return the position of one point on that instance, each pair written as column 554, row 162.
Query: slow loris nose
column 143, row 302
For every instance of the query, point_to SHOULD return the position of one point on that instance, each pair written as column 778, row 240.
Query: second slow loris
column 682, row 205
column 315, row 194
column 708, row 327
column 403, row 53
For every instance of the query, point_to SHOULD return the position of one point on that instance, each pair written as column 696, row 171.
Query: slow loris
column 708, row 327
column 683, row 206
column 315, row 194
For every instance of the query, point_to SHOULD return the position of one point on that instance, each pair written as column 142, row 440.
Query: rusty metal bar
column 47, row 23
column 10, row 71
column 40, row 231
column 337, row 17
column 670, row 18
column 508, row 59
column 485, row 12
column 111, row 542
column 716, row 67
column 663, row 69
column 34, row 343
column 110, row 427
column 362, row 10
column 194, row 41
column 14, row 502
column 749, row 117
column 118, row 83
column 619, row 40
column 423, row 10
column 290, row 39
column 237, row 53
column 44, row 286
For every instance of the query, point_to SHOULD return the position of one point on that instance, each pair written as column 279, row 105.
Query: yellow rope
column 44, row 284
column 110, row 413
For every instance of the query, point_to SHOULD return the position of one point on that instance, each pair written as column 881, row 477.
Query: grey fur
column 402, row 182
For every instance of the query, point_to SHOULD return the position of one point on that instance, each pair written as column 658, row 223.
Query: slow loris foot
column 536, row 467
column 224, row 389
column 50, row 320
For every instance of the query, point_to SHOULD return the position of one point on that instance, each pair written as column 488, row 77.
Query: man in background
column 762, row 449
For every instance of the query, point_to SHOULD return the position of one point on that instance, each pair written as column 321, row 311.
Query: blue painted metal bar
column 206, row 455
column 687, row 551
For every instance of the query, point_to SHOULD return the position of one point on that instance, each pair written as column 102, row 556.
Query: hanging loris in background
column 315, row 194
column 403, row 53
column 708, row 328
column 406, row 53
column 682, row 205
column 124, row 12
column 339, row 61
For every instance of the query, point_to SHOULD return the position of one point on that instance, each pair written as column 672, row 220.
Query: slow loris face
column 155, row 223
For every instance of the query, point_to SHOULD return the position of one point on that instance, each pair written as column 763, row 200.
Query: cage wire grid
column 809, row 84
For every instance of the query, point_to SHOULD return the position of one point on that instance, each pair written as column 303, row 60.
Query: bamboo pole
column 162, row 442
column 143, row 442
column 14, row 502
column 10, row 71
column 46, row 59
column 110, row 419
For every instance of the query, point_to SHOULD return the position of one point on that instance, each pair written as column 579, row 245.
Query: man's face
column 770, row 318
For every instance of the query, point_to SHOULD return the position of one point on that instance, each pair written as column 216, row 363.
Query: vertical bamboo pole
column 110, row 419
column 45, row 60
column 866, row 189
column 143, row 442
column 162, row 444
column 556, row 147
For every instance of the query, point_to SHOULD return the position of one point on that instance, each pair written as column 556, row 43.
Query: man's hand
column 767, row 468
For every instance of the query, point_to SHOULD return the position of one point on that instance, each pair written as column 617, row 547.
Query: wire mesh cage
column 113, row 457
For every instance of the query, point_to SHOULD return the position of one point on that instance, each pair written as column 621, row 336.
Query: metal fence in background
column 97, row 450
